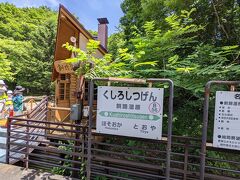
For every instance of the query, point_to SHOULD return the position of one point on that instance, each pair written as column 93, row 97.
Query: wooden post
column 232, row 88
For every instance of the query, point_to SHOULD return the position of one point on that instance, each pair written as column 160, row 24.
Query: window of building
column 64, row 87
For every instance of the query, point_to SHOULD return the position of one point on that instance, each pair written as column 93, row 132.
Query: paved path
column 10, row 172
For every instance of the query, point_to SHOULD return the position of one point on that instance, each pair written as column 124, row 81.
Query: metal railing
column 29, row 142
column 65, row 120
column 112, row 157
column 120, row 157
column 17, row 126
column 33, row 142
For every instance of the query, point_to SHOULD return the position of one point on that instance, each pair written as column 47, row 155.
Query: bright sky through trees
column 87, row 10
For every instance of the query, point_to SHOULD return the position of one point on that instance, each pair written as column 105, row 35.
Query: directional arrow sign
column 123, row 115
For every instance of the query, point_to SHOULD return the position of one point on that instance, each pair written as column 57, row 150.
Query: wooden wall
column 69, row 27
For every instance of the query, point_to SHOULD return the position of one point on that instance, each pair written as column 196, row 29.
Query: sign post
column 205, row 119
column 135, row 112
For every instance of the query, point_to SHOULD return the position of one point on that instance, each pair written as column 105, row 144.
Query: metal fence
column 115, row 157
column 101, row 156
column 30, row 142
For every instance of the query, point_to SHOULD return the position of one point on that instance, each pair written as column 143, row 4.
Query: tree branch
column 218, row 20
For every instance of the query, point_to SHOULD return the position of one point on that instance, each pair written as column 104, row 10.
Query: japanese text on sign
column 63, row 67
column 227, row 120
column 130, row 111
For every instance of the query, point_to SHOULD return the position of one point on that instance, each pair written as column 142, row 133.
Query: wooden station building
column 70, row 30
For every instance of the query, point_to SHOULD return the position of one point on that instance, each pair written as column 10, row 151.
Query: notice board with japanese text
column 227, row 120
column 130, row 111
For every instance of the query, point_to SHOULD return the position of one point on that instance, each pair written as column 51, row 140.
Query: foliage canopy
column 27, row 37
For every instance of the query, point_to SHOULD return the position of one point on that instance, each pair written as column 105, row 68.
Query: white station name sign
column 130, row 111
column 227, row 120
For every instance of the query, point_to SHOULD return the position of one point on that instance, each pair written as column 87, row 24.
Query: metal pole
column 80, row 97
column 27, row 149
column 204, row 130
column 47, row 115
column 170, row 118
column 8, row 140
column 89, row 155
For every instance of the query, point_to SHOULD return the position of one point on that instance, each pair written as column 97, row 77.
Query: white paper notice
column 227, row 120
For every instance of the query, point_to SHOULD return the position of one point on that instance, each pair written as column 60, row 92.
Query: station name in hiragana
column 111, row 125
column 125, row 95
column 144, row 128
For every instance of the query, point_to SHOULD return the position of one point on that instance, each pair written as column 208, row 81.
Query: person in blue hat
column 17, row 100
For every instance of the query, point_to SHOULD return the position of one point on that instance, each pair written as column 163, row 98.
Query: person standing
column 9, row 103
column 18, row 100
column 3, row 99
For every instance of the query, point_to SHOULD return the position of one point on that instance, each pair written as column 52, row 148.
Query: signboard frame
column 226, row 119
column 207, row 92
column 130, row 111
column 132, row 81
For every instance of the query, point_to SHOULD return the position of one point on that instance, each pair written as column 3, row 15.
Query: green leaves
column 185, row 70
column 5, row 68
column 173, row 21
column 164, row 39
column 92, row 46
column 102, row 67
column 151, row 63
column 27, row 37
column 149, row 27
column 124, row 55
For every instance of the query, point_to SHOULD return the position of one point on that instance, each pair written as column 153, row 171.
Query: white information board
column 227, row 120
column 130, row 111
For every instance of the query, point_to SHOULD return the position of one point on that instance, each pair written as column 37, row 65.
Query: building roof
column 68, row 26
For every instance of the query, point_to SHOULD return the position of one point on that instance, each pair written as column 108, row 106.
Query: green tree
column 220, row 18
column 90, row 66
column 115, row 42
column 178, row 53
column 27, row 39
column 5, row 68
column 132, row 10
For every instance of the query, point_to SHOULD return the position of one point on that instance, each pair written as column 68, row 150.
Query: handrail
column 43, row 122
column 44, row 100
column 59, row 108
